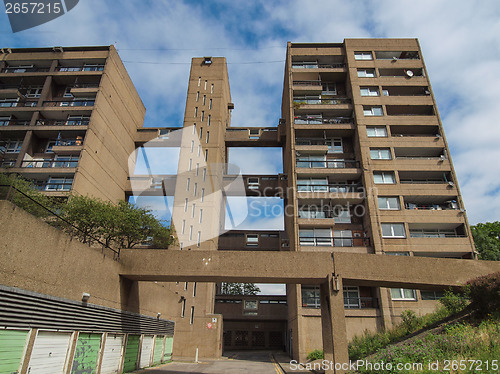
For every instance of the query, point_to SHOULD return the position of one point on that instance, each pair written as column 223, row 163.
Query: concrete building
column 366, row 170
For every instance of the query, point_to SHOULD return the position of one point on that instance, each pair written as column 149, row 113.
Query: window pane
column 399, row 230
column 396, row 293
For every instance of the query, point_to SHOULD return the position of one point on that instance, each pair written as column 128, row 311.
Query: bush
column 410, row 322
column 317, row 354
column 454, row 302
column 484, row 293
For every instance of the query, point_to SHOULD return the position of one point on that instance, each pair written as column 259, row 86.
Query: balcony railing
column 435, row 234
column 68, row 122
column 20, row 69
column 326, row 241
column 76, row 102
column 69, row 142
column 341, row 187
column 307, row 83
column 423, row 181
column 449, row 206
column 313, row 100
column 318, row 120
column 330, row 164
column 360, row 302
column 16, row 103
column 317, row 214
column 49, row 163
column 80, row 68
column 311, row 65
column 14, row 122
column 53, row 186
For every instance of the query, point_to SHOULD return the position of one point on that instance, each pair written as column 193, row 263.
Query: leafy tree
column 487, row 240
column 239, row 289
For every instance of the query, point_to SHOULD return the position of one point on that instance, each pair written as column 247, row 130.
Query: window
column 35, row 92
column 59, row 184
column 342, row 216
column 188, row 184
column 369, row 91
column 310, row 297
column 380, row 154
column 190, row 232
column 431, row 295
column 315, row 237
column 250, row 307
column 253, row 183
column 210, row 104
column 199, row 148
column 351, row 297
column 212, row 88
column 195, row 190
column 199, row 81
column 4, row 121
column 191, row 319
column 192, row 146
column 201, row 134
column 403, row 294
column 193, row 212
column 373, row 110
column 186, row 286
column 311, row 161
column 342, row 238
column 185, row 205
column 183, row 226
column 194, row 289
column 329, row 88
column 335, row 145
column 208, row 136
column 190, row 164
column 183, row 308
column 363, row 56
column 199, row 239
column 393, row 230
column 205, row 86
column 202, row 115
column 12, row 146
column 201, row 215
column 312, row 185
column 195, row 112
column 366, row 73
column 206, row 154
column 197, row 168
column 388, row 203
column 204, row 99
column 384, row 177
column 202, row 194
column 204, row 176
column 252, row 240
column 197, row 96
column 209, row 119
column 376, row 132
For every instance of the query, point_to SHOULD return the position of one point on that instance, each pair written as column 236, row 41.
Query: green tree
column 487, row 240
column 239, row 289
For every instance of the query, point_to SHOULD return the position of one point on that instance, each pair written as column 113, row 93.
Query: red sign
column 209, row 325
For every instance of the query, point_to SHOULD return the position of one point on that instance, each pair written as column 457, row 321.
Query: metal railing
column 314, row 120
column 68, row 122
column 330, row 164
column 50, row 163
column 18, row 197
column 20, row 69
column 341, row 187
column 423, row 181
column 415, row 206
column 16, row 103
column 69, row 142
column 313, row 100
column 80, row 68
column 310, row 65
column 326, row 241
column 76, row 102
column 52, row 186
column 435, row 234
column 14, row 122
column 360, row 302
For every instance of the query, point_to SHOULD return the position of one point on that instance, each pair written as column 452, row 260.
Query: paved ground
column 249, row 362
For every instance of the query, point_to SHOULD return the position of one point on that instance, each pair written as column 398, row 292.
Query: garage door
column 131, row 353
column 86, row 353
column 112, row 354
column 146, row 350
column 49, row 352
column 169, row 342
column 12, row 343
column 158, row 350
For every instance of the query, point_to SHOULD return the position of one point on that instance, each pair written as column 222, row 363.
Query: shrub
column 484, row 293
column 454, row 302
column 317, row 354
column 410, row 321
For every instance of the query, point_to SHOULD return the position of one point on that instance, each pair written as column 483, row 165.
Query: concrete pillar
column 333, row 323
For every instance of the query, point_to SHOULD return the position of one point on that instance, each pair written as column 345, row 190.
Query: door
column 169, row 343
column 146, row 351
column 86, row 353
column 49, row 352
column 12, row 343
column 131, row 353
column 157, row 357
column 112, row 354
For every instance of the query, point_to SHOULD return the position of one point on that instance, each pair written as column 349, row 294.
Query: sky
column 460, row 41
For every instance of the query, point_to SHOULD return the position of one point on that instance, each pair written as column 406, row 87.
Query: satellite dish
column 409, row 73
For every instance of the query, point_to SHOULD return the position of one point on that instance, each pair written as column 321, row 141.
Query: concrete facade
column 373, row 208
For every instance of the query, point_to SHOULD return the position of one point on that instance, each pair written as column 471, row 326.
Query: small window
column 206, row 155
column 366, row 73
column 253, row 183
column 202, row 115
column 185, row 205
column 431, row 295
column 209, row 119
column 192, row 146
column 204, row 99
column 195, row 189
column 373, row 110
column 199, row 81
column 369, row 91
column 208, row 136
column 194, row 289
column 252, row 240
column 183, row 226
column 202, row 194
column 384, row 177
column 388, row 203
column 210, row 104
column 195, row 112
column 183, row 308
column 403, row 294
column 190, row 232
column 193, row 212
column 212, row 88
column 197, row 96
column 199, row 239
column 188, row 184
column 201, row 215
column 380, row 154
column 363, row 56
column 376, row 131
column 205, row 87
column 393, row 230
column 191, row 319
column 204, row 177
column 310, row 296
column 251, row 304
column 197, row 168
column 190, row 164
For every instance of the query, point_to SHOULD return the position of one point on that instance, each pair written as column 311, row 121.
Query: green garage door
column 158, row 350
column 12, row 344
column 168, row 348
column 131, row 353
column 86, row 353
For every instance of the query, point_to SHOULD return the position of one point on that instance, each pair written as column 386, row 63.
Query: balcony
column 71, row 121
column 316, row 65
column 24, row 69
column 329, row 164
column 16, row 103
column 315, row 100
column 360, row 303
column 61, row 162
column 90, row 67
column 397, row 55
column 335, row 187
column 450, row 205
column 62, row 184
column 69, row 103
column 66, row 146
column 330, row 241
column 319, row 119
column 7, row 121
